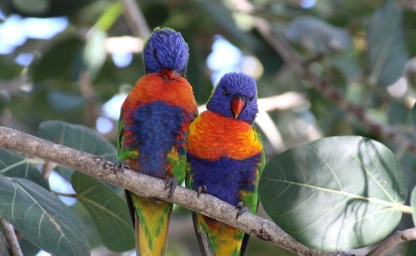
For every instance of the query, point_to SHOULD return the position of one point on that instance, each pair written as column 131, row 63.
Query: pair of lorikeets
column 219, row 152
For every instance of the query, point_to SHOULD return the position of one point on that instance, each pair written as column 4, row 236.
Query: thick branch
column 11, row 239
column 393, row 240
column 147, row 186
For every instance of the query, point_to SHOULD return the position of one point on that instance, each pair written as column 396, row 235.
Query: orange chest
column 152, row 87
column 212, row 137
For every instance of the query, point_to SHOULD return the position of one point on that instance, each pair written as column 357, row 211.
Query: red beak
column 169, row 74
column 237, row 105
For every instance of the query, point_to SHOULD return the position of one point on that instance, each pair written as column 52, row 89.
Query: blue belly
column 156, row 129
column 224, row 178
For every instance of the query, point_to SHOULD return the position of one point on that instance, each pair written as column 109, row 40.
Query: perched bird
column 225, row 159
column 152, row 133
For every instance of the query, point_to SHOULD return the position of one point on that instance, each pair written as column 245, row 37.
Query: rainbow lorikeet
column 225, row 159
column 153, row 130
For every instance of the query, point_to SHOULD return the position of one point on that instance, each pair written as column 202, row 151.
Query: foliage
column 344, row 187
column 350, row 185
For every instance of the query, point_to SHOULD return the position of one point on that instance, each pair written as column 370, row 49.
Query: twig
column 11, row 239
column 46, row 170
column 135, row 19
column 147, row 186
column 393, row 240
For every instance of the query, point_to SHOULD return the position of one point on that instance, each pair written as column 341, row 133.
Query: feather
column 226, row 155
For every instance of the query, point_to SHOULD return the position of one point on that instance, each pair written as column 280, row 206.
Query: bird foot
column 171, row 183
column 241, row 209
column 120, row 167
column 201, row 189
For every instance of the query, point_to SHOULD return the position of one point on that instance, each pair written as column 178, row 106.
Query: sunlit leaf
column 387, row 53
column 94, row 52
column 335, row 193
column 317, row 36
column 108, row 211
column 16, row 165
column 41, row 217
column 78, row 137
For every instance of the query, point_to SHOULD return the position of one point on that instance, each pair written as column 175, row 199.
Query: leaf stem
column 65, row 194
column 405, row 208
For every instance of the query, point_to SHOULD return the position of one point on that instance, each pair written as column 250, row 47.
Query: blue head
column 167, row 52
column 235, row 96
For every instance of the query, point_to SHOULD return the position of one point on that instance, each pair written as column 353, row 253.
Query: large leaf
column 108, row 211
column 41, row 217
column 387, row 52
column 78, row 137
column 335, row 193
column 15, row 165
column 28, row 249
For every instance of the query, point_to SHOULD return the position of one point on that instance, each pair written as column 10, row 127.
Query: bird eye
column 251, row 98
column 224, row 91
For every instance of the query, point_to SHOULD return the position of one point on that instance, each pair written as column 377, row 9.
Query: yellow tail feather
column 152, row 222
column 224, row 239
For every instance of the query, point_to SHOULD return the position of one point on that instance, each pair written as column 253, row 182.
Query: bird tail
column 152, row 222
column 223, row 239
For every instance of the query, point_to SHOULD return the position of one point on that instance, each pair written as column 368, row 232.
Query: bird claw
column 120, row 166
column 241, row 209
column 171, row 183
column 201, row 189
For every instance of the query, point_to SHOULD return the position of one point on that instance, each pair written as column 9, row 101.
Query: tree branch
column 135, row 19
column 11, row 238
column 393, row 240
column 147, row 186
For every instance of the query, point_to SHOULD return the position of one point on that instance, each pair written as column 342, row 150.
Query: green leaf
column 330, row 194
column 65, row 101
column 41, row 217
column 62, row 61
column 78, row 137
column 317, row 36
column 34, row 7
column 94, row 52
column 108, row 211
column 109, row 16
column 15, row 165
column 28, row 249
column 387, row 52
